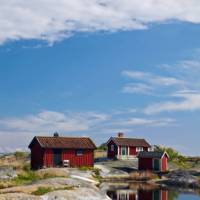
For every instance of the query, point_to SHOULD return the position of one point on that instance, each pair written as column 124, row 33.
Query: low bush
column 26, row 177
column 42, row 190
column 20, row 155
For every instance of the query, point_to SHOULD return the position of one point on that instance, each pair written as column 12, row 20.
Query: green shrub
column 20, row 155
column 26, row 177
column 42, row 190
column 175, row 157
column 173, row 154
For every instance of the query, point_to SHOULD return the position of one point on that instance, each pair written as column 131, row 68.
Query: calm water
column 148, row 193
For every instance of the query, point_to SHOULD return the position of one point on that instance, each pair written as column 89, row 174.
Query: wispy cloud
column 54, row 20
column 185, row 98
column 146, row 122
column 137, row 88
column 149, row 83
column 49, row 121
column 189, row 102
column 153, row 79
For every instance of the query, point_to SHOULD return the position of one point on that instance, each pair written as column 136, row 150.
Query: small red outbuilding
column 52, row 151
column 153, row 161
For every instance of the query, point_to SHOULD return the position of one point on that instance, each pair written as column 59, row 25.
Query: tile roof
column 135, row 142
column 64, row 142
column 153, row 154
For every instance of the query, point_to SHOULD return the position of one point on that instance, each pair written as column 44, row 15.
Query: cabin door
column 57, row 157
column 156, row 165
column 123, row 151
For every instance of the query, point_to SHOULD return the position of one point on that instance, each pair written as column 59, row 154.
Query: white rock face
column 77, row 194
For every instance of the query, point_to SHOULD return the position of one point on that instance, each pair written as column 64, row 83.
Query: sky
column 98, row 67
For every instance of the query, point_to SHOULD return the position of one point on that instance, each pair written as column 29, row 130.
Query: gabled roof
column 64, row 142
column 152, row 154
column 131, row 142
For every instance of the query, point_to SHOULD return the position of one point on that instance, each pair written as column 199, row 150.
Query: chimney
column 56, row 134
column 120, row 135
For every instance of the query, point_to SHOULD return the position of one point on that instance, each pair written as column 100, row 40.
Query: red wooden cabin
column 154, row 161
column 125, row 148
column 52, row 151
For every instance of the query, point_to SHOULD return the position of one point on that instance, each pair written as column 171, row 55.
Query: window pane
column 79, row 152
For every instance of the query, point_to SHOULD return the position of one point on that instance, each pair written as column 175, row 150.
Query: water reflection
column 142, row 194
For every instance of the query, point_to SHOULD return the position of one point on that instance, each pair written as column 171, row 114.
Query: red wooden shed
column 125, row 148
column 52, row 151
column 154, row 161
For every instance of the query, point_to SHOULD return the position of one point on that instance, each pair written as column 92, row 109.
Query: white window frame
column 139, row 149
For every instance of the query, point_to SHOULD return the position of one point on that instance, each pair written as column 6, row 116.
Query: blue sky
column 120, row 68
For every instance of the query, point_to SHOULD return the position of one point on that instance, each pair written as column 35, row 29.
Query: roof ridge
column 130, row 138
column 62, row 136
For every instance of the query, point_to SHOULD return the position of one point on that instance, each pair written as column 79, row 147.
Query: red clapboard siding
column 145, row 164
column 48, row 158
column 77, row 161
column 36, row 156
column 164, row 163
column 132, row 151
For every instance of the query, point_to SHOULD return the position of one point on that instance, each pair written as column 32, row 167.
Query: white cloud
column 23, row 129
column 137, row 88
column 190, row 102
column 49, row 121
column 151, row 84
column 146, row 122
column 153, row 79
column 54, row 20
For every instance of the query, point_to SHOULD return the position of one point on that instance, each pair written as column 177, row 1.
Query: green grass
column 26, row 177
column 86, row 168
column 42, row 191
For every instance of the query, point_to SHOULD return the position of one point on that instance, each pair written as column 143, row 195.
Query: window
column 138, row 149
column 151, row 149
column 79, row 152
column 112, row 147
